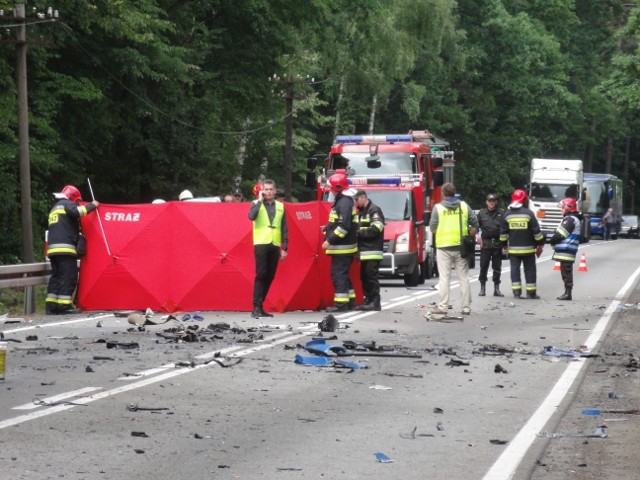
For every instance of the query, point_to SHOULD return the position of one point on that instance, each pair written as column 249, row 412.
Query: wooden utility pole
column 23, row 136
column 289, row 95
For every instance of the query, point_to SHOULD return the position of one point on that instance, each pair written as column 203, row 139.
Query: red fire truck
column 402, row 174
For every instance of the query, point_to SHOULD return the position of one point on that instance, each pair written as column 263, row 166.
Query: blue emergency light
column 342, row 139
column 375, row 181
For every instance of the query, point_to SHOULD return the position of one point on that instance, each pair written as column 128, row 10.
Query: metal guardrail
column 25, row 275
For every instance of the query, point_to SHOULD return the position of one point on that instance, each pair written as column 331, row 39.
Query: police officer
column 489, row 221
column 521, row 230
column 269, row 241
column 565, row 242
column 340, row 243
column 370, row 223
column 63, row 237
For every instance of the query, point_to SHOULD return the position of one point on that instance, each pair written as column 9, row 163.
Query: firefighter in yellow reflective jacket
column 340, row 242
column 269, row 242
column 521, row 230
column 63, row 237
column 370, row 222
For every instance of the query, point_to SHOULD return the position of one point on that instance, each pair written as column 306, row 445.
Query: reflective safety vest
column 567, row 249
column 449, row 233
column 266, row 232
column 370, row 221
column 341, row 228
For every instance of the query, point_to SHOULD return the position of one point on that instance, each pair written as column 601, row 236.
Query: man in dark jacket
column 521, row 230
column 63, row 237
column 565, row 243
column 489, row 221
column 340, row 243
column 370, row 223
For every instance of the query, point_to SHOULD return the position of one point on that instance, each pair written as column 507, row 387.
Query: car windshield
column 395, row 204
column 548, row 192
column 390, row 163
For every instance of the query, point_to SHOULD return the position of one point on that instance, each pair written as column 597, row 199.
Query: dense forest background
column 149, row 97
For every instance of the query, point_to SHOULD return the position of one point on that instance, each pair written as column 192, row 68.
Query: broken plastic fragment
column 321, row 347
column 317, row 361
column 382, row 458
column 591, row 411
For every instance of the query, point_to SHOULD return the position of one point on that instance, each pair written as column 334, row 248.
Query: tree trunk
column 242, row 150
column 609, row 159
column 336, row 128
column 372, row 117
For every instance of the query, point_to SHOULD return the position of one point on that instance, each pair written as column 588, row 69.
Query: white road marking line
column 55, row 324
column 269, row 342
column 57, row 398
column 506, row 465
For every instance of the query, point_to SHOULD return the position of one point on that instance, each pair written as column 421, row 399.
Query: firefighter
column 370, row 233
column 63, row 237
column 565, row 242
column 340, row 242
column 489, row 221
column 521, row 232
column 269, row 242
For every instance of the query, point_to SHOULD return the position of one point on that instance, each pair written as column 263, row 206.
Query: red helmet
column 338, row 183
column 71, row 193
column 257, row 189
column 519, row 198
column 569, row 205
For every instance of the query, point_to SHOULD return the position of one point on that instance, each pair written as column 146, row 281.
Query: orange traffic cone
column 582, row 267
column 556, row 266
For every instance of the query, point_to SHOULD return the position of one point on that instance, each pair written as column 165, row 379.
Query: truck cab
column 551, row 181
column 402, row 174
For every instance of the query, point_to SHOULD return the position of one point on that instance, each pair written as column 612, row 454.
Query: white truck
column 551, row 181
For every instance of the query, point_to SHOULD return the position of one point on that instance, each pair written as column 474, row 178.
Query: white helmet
column 185, row 195
column 158, row 200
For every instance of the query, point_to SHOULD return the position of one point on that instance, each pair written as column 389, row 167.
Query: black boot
column 517, row 293
column 371, row 306
column 531, row 294
column 338, row 307
column 483, row 290
column 496, row 290
column 566, row 295
column 352, row 304
column 256, row 313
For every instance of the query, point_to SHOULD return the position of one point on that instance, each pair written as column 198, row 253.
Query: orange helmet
column 338, row 183
column 70, row 193
column 569, row 204
column 257, row 189
column 519, row 198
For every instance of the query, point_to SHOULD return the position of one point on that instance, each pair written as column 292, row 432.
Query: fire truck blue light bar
column 373, row 138
column 375, row 181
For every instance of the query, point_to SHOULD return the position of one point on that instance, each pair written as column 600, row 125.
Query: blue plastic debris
column 591, row 411
column 317, row 361
column 556, row 352
column 348, row 364
column 321, row 347
column 197, row 318
column 185, row 317
column 381, row 457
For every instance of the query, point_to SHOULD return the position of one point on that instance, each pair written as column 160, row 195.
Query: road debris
column 382, row 458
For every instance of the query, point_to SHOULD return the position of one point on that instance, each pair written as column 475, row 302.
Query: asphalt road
column 444, row 400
